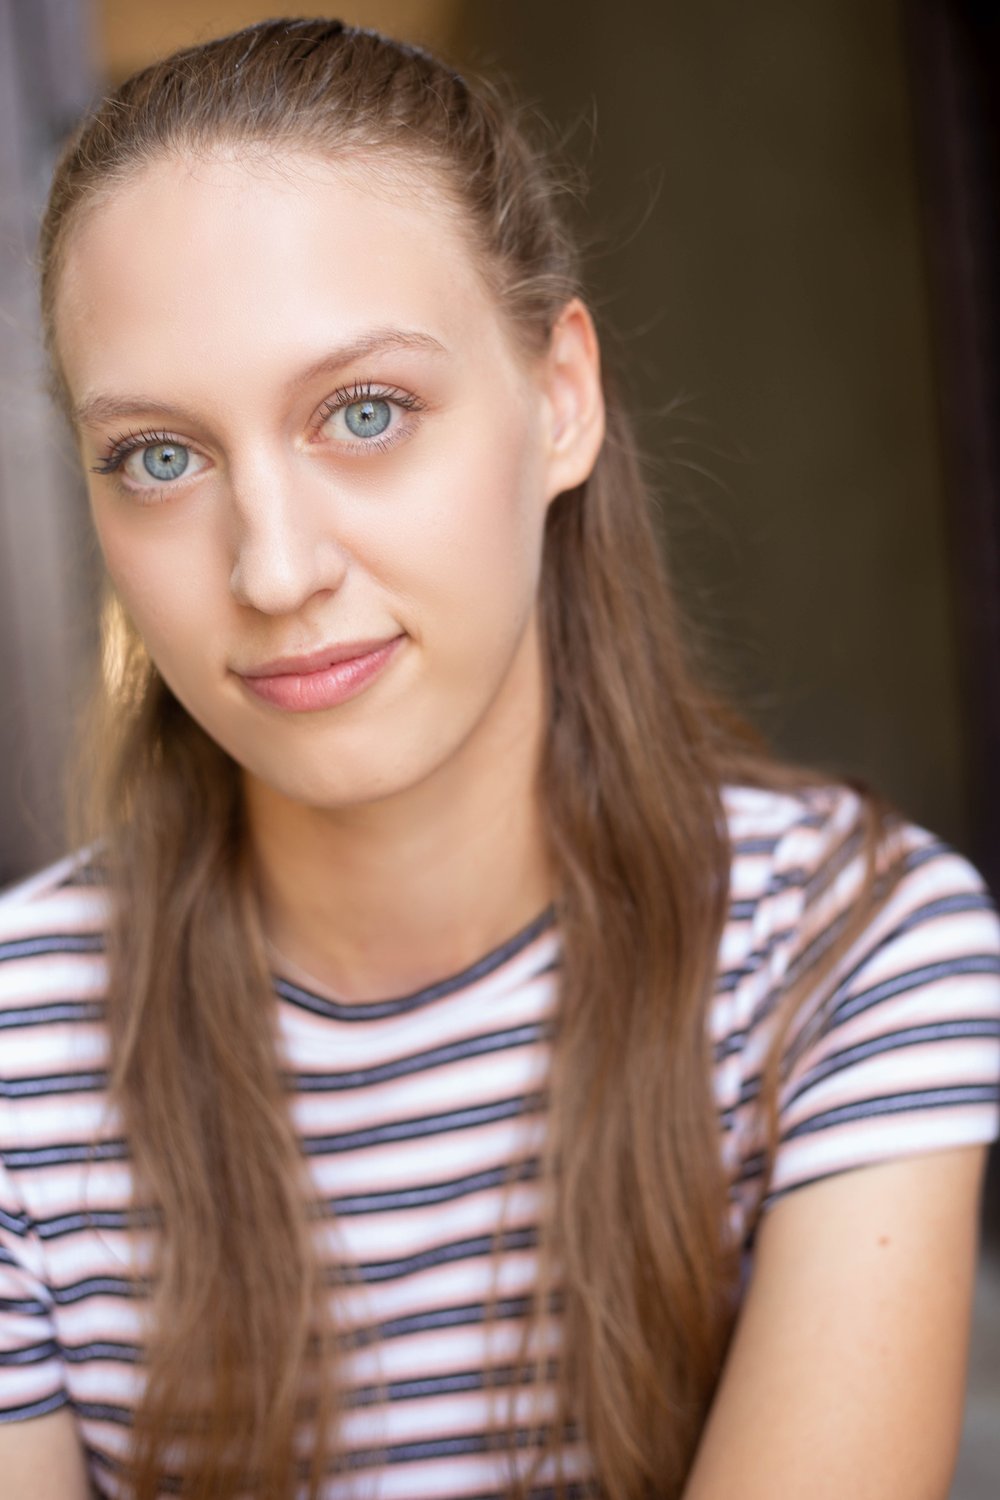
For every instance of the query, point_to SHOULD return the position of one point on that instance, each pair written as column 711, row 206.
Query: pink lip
column 322, row 679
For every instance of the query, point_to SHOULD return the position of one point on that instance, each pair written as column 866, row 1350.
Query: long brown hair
column 636, row 755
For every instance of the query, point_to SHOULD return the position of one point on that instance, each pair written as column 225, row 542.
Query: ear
column 571, row 373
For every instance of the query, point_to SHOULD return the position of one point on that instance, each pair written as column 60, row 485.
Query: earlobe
column 575, row 399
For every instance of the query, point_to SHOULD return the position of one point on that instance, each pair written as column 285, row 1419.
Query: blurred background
column 793, row 231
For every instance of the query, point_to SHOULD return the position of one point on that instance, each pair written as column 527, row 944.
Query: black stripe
column 893, row 1041
column 823, row 877
column 945, row 906
column 373, row 1272
column 751, row 1168
column 389, row 1201
column 780, row 880
column 520, row 1439
column 810, row 955
column 52, row 1083
column 482, row 1044
column 52, row 1014
column 942, row 906
column 369, row 1273
column 34, row 1408
column 50, row 943
column 422, row 1126
column 103, row 1349
column 731, row 979
column 890, row 1104
column 928, row 853
column 395, row 1199
column 900, row 984
column 833, row 862
column 886, row 1104
column 463, row 1316
column 776, row 1194
column 742, row 911
column 123, row 1219
column 889, row 1041
column 14, row 1223
column 31, row 1354
column 455, row 1382
column 574, row 1490
column 63, row 1155
column 419, row 1451
column 105, row 1411
column 24, row 1305
column 755, row 845
column 98, row 1286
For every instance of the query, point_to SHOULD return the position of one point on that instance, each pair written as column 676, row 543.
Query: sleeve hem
column 39, row 1408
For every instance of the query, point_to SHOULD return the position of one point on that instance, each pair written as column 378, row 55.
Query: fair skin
column 412, row 808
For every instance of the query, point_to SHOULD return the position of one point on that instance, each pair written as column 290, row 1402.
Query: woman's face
column 316, row 433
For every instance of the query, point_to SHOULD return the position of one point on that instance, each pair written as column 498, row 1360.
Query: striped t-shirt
column 411, row 1109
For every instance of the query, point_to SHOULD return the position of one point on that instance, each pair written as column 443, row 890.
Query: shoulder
column 802, row 853
column 894, row 1042
column 799, row 868
column 61, row 891
column 780, row 840
column 782, row 845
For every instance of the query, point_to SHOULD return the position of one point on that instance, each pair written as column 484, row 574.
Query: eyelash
column 367, row 391
column 125, row 444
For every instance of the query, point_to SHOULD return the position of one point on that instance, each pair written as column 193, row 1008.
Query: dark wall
column 46, row 557
column 753, row 178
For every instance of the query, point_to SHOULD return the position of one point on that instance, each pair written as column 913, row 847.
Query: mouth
column 321, row 679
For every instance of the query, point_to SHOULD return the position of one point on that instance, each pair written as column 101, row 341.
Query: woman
column 449, row 1064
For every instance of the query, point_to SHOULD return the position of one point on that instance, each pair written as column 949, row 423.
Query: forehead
column 193, row 262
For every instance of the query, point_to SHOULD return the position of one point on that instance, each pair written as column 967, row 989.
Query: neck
column 374, row 901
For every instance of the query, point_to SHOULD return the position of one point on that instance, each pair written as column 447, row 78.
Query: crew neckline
column 370, row 1010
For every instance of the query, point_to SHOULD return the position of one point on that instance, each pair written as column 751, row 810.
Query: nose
column 284, row 549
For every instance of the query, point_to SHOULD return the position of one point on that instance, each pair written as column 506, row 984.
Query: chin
column 325, row 789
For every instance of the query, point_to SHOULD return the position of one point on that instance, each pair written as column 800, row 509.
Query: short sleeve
column 31, row 1378
column 898, row 1050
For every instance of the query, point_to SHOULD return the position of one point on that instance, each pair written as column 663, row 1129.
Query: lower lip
column 307, row 691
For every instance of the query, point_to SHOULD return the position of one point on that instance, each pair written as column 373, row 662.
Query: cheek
column 163, row 577
column 477, row 529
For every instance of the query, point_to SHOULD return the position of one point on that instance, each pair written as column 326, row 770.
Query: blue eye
column 379, row 417
column 368, row 418
column 165, row 461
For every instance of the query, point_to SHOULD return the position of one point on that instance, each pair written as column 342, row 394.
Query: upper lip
column 316, row 661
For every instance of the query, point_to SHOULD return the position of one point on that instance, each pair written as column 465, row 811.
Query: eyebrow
column 94, row 410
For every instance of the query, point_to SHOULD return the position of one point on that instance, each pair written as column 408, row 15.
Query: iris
column 367, row 418
column 165, row 460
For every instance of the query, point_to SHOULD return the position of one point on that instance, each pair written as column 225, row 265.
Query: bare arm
column 43, row 1457
column 847, row 1370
